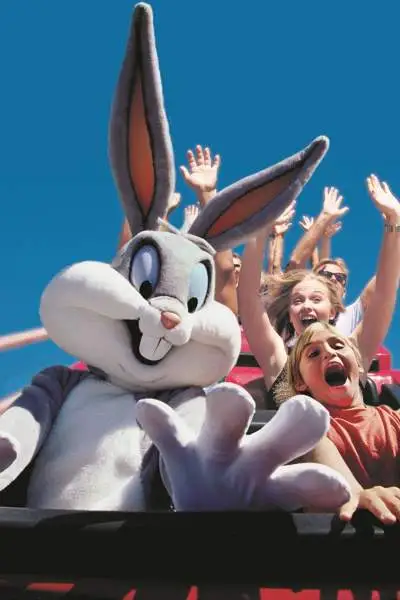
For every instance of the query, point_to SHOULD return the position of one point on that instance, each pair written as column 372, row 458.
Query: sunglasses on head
column 340, row 277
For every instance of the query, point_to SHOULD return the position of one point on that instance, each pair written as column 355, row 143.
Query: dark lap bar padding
column 271, row 549
column 390, row 395
column 261, row 417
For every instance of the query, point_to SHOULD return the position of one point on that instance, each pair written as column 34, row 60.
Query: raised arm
column 368, row 292
column 331, row 211
column 202, row 176
column 278, row 253
column 279, row 230
column 266, row 344
column 306, row 223
column 326, row 241
column 271, row 253
column 372, row 330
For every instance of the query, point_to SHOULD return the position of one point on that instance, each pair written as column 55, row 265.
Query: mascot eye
column 198, row 287
column 145, row 270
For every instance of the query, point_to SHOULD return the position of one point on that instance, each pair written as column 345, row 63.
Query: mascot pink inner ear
column 251, row 203
column 141, row 164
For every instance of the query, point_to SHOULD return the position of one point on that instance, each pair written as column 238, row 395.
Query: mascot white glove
column 222, row 468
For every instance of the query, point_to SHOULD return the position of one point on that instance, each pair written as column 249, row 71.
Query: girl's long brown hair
column 279, row 291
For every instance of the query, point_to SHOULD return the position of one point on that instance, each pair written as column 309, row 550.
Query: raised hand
column 173, row 203
column 281, row 229
column 333, row 229
column 306, row 222
column 332, row 202
column 190, row 215
column 284, row 221
column 383, row 198
column 202, row 174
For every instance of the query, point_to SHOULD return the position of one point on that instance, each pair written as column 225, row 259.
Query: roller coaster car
column 205, row 556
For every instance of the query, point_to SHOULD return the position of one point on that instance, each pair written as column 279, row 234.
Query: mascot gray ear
column 140, row 147
column 240, row 210
column 142, row 159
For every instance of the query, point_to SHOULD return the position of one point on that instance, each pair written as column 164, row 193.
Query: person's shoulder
column 387, row 412
column 353, row 306
column 386, row 409
column 348, row 320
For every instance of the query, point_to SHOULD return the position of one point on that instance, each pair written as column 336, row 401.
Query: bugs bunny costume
column 154, row 337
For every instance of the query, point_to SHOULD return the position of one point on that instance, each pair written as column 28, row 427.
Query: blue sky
column 255, row 83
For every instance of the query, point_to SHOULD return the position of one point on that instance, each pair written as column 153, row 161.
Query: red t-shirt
column 368, row 438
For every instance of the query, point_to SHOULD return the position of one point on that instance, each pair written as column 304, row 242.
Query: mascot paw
column 297, row 427
column 308, row 486
column 222, row 468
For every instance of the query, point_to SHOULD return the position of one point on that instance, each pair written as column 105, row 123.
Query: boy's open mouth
column 335, row 375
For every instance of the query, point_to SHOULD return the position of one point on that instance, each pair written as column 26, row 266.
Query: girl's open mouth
column 306, row 321
column 335, row 375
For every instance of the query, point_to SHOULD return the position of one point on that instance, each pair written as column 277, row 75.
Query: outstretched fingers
column 297, row 427
column 229, row 410
column 200, row 155
column 374, row 184
column 332, row 203
column 338, row 200
column 216, row 163
column 308, row 486
column 165, row 428
column 386, row 188
column 191, row 213
column 383, row 503
column 306, row 222
column 287, row 214
column 173, row 202
column 191, row 160
column 207, row 157
column 383, row 197
column 185, row 173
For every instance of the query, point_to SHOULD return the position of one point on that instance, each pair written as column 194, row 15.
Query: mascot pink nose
column 170, row 320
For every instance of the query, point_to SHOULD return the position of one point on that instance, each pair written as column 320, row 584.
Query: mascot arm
column 26, row 423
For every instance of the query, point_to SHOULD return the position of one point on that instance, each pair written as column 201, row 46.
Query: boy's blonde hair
column 280, row 289
column 288, row 387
